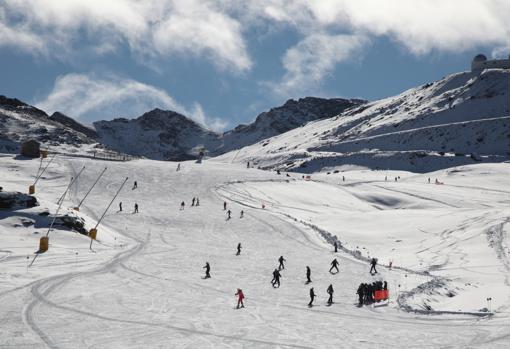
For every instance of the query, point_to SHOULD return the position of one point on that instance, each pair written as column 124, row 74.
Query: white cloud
column 313, row 58
column 84, row 96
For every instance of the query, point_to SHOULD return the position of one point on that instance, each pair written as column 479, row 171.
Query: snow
column 142, row 285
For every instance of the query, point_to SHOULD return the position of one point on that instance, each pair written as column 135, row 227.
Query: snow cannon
column 93, row 233
column 31, row 190
column 381, row 295
column 43, row 244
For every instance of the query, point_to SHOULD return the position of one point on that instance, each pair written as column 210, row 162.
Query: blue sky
column 222, row 62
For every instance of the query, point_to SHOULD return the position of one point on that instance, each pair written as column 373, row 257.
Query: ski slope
column 142, row 286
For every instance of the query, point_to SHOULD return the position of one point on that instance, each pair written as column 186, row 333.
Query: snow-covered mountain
column 20, row 122
column 285, row 118
column 464, row 117
column 158, row 134
column 167, row 135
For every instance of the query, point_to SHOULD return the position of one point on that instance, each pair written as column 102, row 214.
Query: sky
column 222, row 62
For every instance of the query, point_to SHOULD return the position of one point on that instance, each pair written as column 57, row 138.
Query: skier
column 308, row 274
column 312, row 297
column 224, row 205
column 336, row 247
column 135, row 185
column 120, row 206
column 373, row 263
column 238, row 249
column 178, row 167
column 193, row 202
column 197, row 202
column 242, row 214
column 330, row 292
column 136, row 208
column 248, row 164
column 240, row 297
column 182, row 205
column 276, row 278
column 361, row 294
column 334, row 265
column 207, row 268
column 229, row 213
column 343, row 178
column 429, row 180
column 281, row 260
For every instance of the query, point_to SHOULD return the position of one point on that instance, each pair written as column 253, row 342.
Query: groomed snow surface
column 141, row 286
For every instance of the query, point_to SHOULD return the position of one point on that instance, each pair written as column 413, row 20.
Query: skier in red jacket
column 240, row 297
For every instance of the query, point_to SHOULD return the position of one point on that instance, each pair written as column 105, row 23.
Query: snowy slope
column 143, row 286
column 462, row 114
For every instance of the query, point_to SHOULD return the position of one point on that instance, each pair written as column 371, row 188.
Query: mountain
column 20, row 122
column 462, row 118
column 167, row 135
column 158, row 134
column 285, row 118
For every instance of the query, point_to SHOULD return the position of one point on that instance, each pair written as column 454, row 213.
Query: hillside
column 460, row 119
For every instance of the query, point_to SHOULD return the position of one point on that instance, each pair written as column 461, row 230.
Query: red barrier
column 381, row 295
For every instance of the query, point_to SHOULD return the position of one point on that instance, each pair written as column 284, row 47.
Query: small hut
column 31, row 149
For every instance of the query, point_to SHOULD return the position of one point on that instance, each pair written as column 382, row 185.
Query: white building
column 480, row 62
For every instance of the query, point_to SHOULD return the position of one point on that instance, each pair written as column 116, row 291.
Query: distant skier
column 238, row 249
column 248, row 164
column 281, row 260
column 373, row 263
column 229, row 213
column 343, row 178
column 330, row 291
column 182, row 205
column 336, row 246
column 120, row 206
column 240, row 297
column 308, row 275
column 224, row 205
column 334, row 265
column 193, row 202
column 197, row 202
column 312, row 297
column 242, row 214
column 136, row 207
column 385, row 178
column 361, row 294
column 207, row 268
column 135, row 185
column 178, row 167
column 276, row 278
column 429, row 180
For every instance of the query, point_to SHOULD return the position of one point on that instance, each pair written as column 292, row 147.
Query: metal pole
column 70, row 184
column 93, row 185
column 40, row 175
column 104, row 213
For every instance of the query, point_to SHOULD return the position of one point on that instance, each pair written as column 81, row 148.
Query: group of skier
column 135, row 186
column 366, row 291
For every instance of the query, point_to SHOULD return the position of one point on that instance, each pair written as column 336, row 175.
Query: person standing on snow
column 193, row 202
column 276, row 278
column 238, row 249
column 308, row 274
column 336, row 247
column 312, row 297
column 334, row 265
column 178, row 167
column 224, row 205
column 207, row 268
column 182, row 205
column 136, row 208
column 373, row 263
column 120, row 206
column 135, row 185
column 242, row 214
column 229, row 213
column 281, row 260
column 240, row 297
column 361, row 294
column 197, row 203
column 330, row 291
